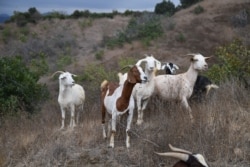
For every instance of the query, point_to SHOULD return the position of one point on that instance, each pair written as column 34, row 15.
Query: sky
column 69, row 6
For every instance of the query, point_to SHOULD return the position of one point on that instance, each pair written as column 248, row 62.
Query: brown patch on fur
column 112, row 87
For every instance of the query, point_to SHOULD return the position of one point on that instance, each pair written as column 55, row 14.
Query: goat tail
column 209, row 87
column 103, row 84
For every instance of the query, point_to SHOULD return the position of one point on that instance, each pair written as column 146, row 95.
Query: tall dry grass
column 220, row 132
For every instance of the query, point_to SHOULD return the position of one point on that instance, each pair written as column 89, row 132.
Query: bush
column 234, row 61
column 198, row 9
column 19, row 89
column 145, row 27
column 187, row 3
column 165, row 7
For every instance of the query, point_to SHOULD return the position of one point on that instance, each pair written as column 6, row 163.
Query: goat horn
column 181, row 156
column 56, row 73
column 191, row 54
column 178, row 149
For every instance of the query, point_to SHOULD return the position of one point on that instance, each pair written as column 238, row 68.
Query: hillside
column 221, row 131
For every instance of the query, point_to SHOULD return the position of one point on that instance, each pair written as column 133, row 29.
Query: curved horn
column 191, row 54
column 178, row 149
column 140, row 61
column 56, row 73
column 181, row 156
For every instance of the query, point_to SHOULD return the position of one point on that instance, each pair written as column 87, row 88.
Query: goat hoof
column 111, row 146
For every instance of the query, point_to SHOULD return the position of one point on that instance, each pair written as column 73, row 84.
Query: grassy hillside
column 221, row 129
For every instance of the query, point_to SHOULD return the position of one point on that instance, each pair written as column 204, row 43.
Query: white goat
column 180, row 86
column 142, row 92
column 70, row 96
column 117, row 100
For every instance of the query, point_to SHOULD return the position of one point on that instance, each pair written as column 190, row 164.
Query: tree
column 187, row 3
column 165, row 7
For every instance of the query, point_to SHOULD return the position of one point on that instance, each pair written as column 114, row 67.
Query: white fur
column 70, row 96
column 180, row 86
column 142, row 92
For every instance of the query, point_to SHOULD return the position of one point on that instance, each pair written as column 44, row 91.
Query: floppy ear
column 158, row 64
column 131, row 78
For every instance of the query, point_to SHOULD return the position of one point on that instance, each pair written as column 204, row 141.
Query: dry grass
column 220, row 132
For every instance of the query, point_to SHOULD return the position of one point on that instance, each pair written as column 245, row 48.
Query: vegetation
column 165, row 7
column 145, row 27
column 22, row 18
column 187, row 3
column 19, row 90
column 234, row 62
column 198, row 9
column 99, row 55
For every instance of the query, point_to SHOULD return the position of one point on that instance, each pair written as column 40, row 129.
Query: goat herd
column 138, row 85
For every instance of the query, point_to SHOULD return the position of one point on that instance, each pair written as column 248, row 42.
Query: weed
column 198, row 10
column 180, row 37
column 99, row 55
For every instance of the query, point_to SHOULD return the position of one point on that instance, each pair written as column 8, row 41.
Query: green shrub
column 145, row 27
column 126, row 61
column 6, row 34
column 39, row 65
column 234, row 61
column 180, row 37
column 99, row 55
column 19, row 89
column 198, row 9
column 86, row 23
column 95, row 74
column 63, row 61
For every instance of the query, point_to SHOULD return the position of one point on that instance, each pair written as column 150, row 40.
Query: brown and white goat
column 187, row 158
column 117, row 100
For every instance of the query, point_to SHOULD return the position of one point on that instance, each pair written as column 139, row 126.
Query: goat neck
column 191, row 74
column 123, row 101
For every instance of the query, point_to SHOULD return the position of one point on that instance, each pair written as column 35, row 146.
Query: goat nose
column 145, row 78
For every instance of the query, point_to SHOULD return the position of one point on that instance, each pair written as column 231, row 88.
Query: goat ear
column 158, row 64
column 131, row 77
column 193, row 59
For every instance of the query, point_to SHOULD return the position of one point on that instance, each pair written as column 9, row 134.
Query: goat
column 187, row 158
column 169, row 67
column 117, row 100
column 202, row 84
column 180, row 86
column 70, row 96
column 142, row 92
